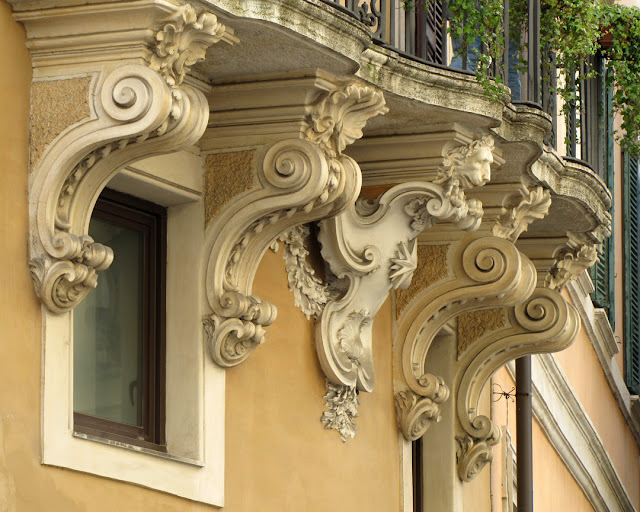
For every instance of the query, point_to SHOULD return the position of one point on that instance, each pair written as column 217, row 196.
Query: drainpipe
column 524, row 434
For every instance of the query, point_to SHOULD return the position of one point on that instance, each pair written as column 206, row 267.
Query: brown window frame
column 150, row 219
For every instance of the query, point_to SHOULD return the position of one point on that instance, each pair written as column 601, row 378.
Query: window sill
column 139, row 449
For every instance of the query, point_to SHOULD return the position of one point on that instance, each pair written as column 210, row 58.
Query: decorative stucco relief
column 342, row 409
column 141, row 111
column 544, row 322
column 372, row 247
column 531, row 206
column 570, row 262
column 300, row 180
column 309, row 291
column 488, row 272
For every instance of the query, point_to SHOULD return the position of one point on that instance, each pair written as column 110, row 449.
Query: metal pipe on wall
column 524, row 445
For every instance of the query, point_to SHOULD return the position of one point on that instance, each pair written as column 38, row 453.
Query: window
column 118, row 389
column 191, row 461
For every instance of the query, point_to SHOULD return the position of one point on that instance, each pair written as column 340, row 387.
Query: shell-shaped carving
column 231, row 340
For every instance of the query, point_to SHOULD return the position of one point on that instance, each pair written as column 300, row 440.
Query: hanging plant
column 572, row 30
column 623, row 25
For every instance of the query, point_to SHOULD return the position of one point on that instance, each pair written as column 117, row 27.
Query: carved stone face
column 476, row 169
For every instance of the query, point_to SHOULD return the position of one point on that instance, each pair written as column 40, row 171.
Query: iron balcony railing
column 421, row 34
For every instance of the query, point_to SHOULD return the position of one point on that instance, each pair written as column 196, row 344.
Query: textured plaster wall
column 279, row 458
column 584, row 373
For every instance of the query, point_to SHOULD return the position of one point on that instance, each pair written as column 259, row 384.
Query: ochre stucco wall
column 26, row 485
column 279, row 458
column 554, row 488
column 584, row 373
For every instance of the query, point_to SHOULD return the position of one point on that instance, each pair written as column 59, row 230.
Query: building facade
column 281, row 255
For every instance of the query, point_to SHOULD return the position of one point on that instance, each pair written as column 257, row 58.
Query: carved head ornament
column 468, row 165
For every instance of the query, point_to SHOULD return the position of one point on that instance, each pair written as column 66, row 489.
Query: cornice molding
column 138, row 112
column 300, row 180
column 564, row 421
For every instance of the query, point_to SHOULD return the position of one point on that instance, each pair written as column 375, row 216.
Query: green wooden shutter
column 602, row 273
column 631, row 274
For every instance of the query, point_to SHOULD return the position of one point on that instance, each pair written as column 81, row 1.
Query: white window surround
column 193, row 466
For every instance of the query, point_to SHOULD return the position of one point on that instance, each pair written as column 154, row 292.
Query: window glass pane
column 108, row 332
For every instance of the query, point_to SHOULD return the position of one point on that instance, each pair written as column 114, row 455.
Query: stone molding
column 138, row 111
column 544, row 322
column 488, row 272
column 564, row 421
column 300, row 180
column 371, row 248
column 597, row 326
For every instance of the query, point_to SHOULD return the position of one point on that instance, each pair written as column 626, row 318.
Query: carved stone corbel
column 487, row 272
column 531, row 205
column 571, row 261
column 300, row 180
column 138, row 111
column 372, row 247
column 543, row 323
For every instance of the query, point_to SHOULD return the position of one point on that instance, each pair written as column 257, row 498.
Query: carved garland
column 142, row 111
column 301, row 181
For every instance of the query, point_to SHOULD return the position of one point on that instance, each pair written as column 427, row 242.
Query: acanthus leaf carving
column 416, row 412
column 570, row 262
column 403, row 264
column 301, row 180
column 337, row 119
column 183, row 41
column 393, row 222
column 342, row 409
column 532, row 206
column 139, row 113
column 474, row 454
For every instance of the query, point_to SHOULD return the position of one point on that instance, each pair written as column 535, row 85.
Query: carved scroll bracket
column 372, row 247
column 139, row 111
column 487, row 272
column 543, row 323
column 300, row 180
